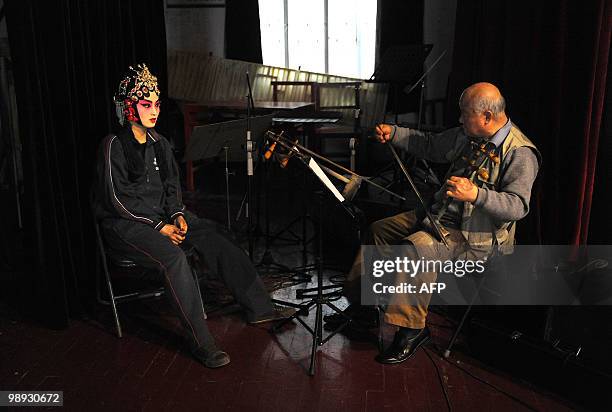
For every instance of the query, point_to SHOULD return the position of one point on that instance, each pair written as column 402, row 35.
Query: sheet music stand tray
column 401, row 64
column 208, row 141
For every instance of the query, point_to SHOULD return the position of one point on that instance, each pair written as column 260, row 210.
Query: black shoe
column 363, row 316
column 276, row 314
column 403, row 348
column 214, row 358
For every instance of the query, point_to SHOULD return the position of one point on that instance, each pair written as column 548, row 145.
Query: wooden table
column 191, row 110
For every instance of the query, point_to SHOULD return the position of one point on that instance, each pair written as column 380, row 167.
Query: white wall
column 199, row 29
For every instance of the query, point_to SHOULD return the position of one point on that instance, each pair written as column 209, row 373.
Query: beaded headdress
column 137, row 84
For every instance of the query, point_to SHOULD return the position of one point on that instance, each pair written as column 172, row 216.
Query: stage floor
column 151, row 369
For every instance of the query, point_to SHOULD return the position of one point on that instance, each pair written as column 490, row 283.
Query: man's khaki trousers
column 406, row 310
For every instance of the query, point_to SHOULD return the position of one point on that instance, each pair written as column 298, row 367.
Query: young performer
column 142, row 216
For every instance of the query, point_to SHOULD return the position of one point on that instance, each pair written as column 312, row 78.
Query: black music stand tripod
column 320, row 295
column 299, row 238
column 267, row 260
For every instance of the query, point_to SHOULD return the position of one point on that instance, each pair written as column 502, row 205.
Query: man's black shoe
column 403, row 348
column 363, row 316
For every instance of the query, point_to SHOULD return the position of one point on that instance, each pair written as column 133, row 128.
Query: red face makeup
column 148, row 110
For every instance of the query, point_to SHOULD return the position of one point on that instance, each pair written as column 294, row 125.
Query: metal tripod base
column 303, row 309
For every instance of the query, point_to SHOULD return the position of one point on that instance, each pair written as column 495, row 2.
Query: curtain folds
column 550, row 59
column 68, row 57
column 596, row 92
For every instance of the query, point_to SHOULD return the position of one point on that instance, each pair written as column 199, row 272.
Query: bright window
column 294, row 35
column 272, row 32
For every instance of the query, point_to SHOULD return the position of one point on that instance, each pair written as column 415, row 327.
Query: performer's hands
column 173, row 233
column 181, row 223
column 383, row 132
column 462, row 189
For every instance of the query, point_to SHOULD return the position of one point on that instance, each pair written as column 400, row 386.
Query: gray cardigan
column 501, row 203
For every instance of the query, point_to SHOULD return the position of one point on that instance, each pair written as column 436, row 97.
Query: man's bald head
column 481, row 97
column 483, row 110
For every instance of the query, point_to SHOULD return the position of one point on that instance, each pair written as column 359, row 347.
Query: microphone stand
column 421, row 81
column 249, row 150
column 227, row 193
column 267, row 260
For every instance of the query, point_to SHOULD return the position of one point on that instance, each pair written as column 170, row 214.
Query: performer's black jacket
column 138, row 194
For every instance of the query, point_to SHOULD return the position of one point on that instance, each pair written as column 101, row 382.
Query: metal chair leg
column 111, row 294
column 451, row 343
column 114, row 306
column 381, row 315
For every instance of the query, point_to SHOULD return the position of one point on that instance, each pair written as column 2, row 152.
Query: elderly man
column 475, row 212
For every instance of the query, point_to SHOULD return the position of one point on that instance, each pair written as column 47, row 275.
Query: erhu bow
column 436, row 225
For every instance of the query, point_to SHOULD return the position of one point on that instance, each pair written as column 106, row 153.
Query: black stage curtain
column 599, row 227
column 550, row 59
column 242, row 31
column 399, row 23
column 68, row 57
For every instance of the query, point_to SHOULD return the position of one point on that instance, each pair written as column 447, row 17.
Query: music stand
column 400, row 67
column 319, row 298
column 208, row 141
column 401, row 64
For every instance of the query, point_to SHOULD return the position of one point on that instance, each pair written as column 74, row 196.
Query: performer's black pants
column 150, row 249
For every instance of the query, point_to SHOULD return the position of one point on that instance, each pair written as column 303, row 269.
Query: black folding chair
column 493, row 264
column 111, row 259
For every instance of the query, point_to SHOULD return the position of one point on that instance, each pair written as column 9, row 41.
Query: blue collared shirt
column 499, row 137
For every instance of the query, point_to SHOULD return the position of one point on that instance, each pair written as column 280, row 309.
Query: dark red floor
column 149, row 369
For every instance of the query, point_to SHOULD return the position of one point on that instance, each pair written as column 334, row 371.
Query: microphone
column 268, row 153
column 284, row 158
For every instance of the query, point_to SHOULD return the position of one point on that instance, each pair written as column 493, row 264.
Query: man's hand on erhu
column 462, row 189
